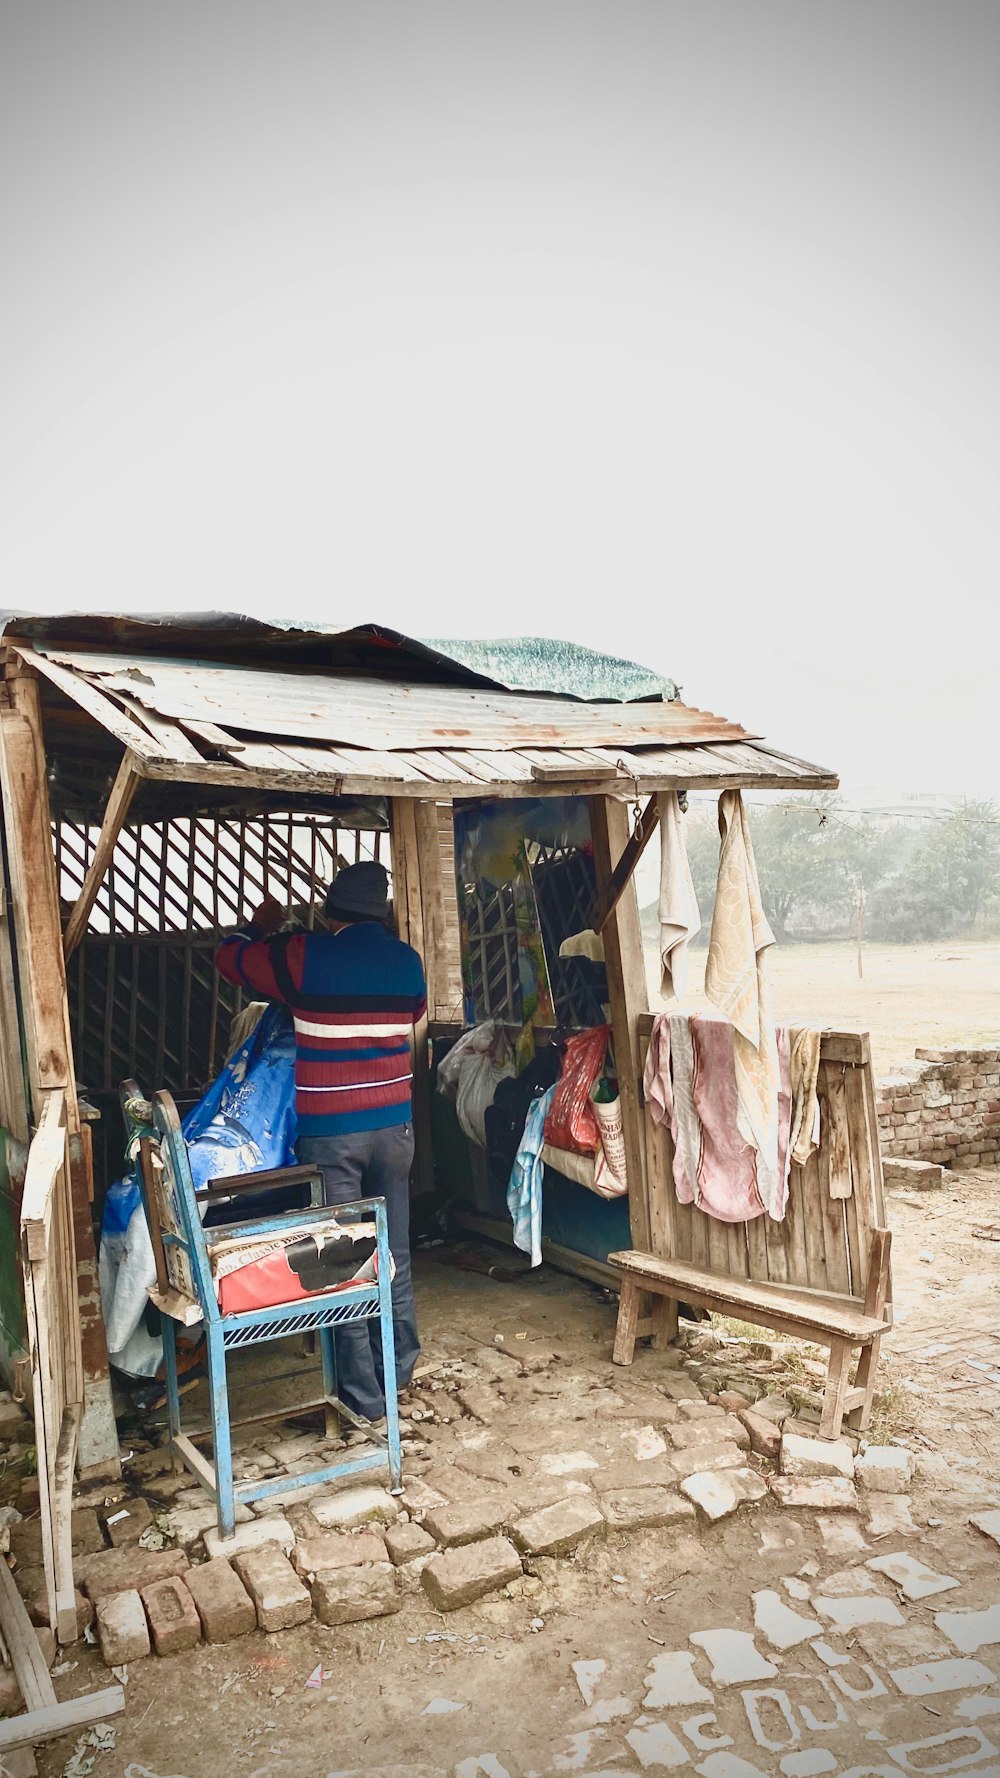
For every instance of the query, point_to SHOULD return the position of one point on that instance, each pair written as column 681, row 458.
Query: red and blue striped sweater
column 355, row 996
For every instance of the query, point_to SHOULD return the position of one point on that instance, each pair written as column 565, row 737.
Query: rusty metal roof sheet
column 283, row 729
column 375, row 713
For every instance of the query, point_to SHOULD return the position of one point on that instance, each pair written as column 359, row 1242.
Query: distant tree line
column 822, row 868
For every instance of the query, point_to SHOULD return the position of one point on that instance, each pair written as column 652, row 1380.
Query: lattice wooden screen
column 565, row 886
column 145, row 1001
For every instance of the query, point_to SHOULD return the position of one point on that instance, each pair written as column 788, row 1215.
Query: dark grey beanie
column 360, row 892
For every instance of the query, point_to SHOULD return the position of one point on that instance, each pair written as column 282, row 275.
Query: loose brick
column 87, row 1535
column 834, row 1494
column 122, row 1628
column 765, row 1435
column 815, row 1457
column 336, row 1549
column 126, row 1522
column 884, row 1469
column 554, row 1529
column 480, row 1402
column 119, row 1571
column 642, row 1509
column 727, row 1428
column 461, row 1575
column 279, row 1597
column 349, row 1595
column 406, row 1541
column 354, row 1506
column 274, row 1529
column 466, row 1521
column 225, row 1608
column 173, row 1619
column 705, row 1459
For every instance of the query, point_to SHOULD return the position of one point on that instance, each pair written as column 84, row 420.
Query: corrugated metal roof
column 300, row 732
column 350, row 710
column 562, row 668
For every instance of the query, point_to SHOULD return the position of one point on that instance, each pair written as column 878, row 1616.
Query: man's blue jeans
column 372, row 1164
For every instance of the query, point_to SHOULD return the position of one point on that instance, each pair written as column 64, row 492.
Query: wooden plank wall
column 834, row 1200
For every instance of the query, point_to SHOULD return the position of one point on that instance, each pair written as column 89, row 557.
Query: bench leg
column 876, row 1291
column 665, row 1323
column 838, row 1376
column 628, row 1321
column 859, row 1417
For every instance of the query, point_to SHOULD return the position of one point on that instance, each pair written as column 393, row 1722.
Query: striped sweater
column 355, row 996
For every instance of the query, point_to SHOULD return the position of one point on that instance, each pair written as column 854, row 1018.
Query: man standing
column 355, row 993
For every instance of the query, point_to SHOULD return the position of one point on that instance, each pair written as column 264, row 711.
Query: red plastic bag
column 571, row 1123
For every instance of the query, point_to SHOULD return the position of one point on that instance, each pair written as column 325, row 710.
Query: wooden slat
column 831, row 1209
column 60, row 1719
column 409, row 912
column 796, row 1216
column 862, row 1207
column 119, row 802
column 694, row 1284
column 838, row 1135
column 629, row 997
column 36, row 906
column 102, row 709
column 218, row 739
column 21, row 1640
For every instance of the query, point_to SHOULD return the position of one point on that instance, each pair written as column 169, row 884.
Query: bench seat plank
column 705, row 1289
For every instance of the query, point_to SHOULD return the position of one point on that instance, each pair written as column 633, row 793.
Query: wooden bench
column 822, row 1274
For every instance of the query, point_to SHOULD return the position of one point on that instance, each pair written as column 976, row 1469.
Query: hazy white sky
column 670, row 328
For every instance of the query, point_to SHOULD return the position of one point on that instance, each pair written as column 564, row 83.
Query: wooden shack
column 155, row 776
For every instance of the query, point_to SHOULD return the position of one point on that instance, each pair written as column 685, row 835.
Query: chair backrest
column 173, row 1203
column 835, row 1200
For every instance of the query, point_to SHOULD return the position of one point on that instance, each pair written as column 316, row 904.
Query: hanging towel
column 804, row 1073
column 690, row 1084
column 736, row 981
column 524, row 1193
column 587, row 944
column 680, row 919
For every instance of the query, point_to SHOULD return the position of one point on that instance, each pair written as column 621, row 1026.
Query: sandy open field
column 909, row 995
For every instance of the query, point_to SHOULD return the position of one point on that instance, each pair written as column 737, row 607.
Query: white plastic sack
column 471, row 1072
column 126, row 1273
column 609, row 1122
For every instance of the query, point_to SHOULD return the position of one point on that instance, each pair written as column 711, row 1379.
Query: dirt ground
column 490, row 1690
column 949, row 993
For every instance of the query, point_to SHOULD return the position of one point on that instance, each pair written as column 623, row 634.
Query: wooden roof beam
column 119, row 802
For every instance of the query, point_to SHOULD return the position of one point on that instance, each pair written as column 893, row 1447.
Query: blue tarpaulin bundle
column 244, row 1122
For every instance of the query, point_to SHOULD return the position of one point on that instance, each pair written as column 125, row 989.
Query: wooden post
column 408, row 906
column 13, row 1094
column 629, row 998
column 604, row 906
column 45, row 1011
column 435, row 921
column 119, row 802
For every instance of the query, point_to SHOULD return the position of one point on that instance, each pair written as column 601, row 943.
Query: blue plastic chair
column 186, row 1294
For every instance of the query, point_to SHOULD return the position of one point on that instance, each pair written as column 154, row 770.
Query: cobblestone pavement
column 593, row 1571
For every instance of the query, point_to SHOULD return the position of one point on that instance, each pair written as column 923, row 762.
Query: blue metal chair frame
column 187, row 1249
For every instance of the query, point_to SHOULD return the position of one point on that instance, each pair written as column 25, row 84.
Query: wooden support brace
column 876, row 1293
column 608, row 898
column 119, row 803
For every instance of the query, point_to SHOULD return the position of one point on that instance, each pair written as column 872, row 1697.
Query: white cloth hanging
column 737, row 982
column 680, row 919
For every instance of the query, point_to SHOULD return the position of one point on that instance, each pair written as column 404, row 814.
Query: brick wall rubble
column 944, row 1106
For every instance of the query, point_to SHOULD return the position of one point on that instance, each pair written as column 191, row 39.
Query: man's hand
column 269, row 918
